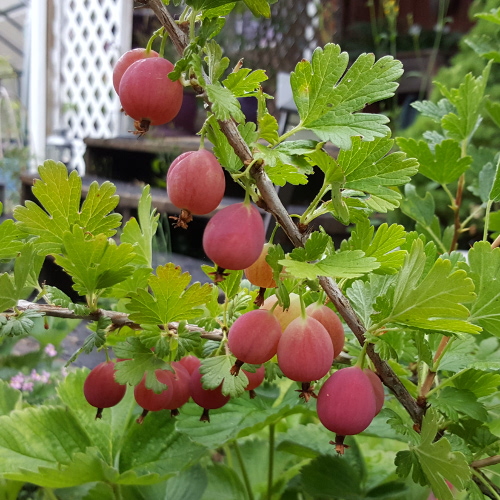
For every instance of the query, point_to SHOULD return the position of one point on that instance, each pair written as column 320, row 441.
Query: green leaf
column 216, row 371
column 493, row 109
column 19, row 324
column 432, row 300
column 484, row 45
column 371, row 168
column 10, row 398
column 481, row 383
column 95, row 340
column 268, row 128
column 217, row 64
column 96, row 263
column 484, row 265
column 7, row 292
column 384, row 246
column 189, row 483
column 340, row 127
column 10, row 236
column 436, row 111
column 348, row 264
column 140, row 233
column 139, row 360
column 223, row 150
column 244, row 81
column 59, row 298
column 363, row 295
column 224, row 104
column 259, row 7
column 493, row 15
column 60, row 194
column 453, row 402
column 187, row 340
column 325, row 104
column 331, row 114
column 468, row 100
column 444, row 165
column 171, row 298
column 231, row 284
column 331, row 477
column 154, row 451
column 207, row 4
column 314, row 247
column 284, row 173
column 313, row 82
column 224, row 484
column 240, row 417
column 494, row 194
column 47, row 446
column 435, row 461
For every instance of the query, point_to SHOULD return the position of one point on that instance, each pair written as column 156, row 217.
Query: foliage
column 419, row 312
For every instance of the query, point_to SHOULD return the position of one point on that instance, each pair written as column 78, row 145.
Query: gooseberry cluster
column 304, row 341
column 182, row 382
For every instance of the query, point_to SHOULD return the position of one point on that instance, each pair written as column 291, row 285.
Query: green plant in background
column 483, row 37
column 415, row 310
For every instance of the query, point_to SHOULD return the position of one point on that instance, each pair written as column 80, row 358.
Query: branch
column 118, row 319
column 273, row 205
column 485, row 462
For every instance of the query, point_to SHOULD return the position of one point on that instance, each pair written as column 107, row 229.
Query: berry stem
column 360, row 363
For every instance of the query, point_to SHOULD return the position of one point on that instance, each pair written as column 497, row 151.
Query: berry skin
column 101, row 390
column 305, row 351
column 378, row 389
column 346, row 403
column 284, row 316
column 253, row 338
column 208, row 399
column 150, row 400
column 255, row 379
column 260, row 273
column 147, row 94
column 180, row 388
column 195, row 184
column 126, row 60
column 332, row 324
column 190, row 363
column 234, row 237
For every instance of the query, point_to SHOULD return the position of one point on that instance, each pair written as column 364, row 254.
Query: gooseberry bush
column 365, row 369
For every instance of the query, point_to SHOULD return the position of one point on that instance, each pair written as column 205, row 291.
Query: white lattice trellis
column 89, row 37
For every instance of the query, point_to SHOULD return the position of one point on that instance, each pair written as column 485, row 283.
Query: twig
column 118, row 319
column 485, row 462
column 273, row 204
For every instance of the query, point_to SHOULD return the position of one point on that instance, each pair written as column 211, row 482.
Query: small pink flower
column 17, row 381
column 50, row 350
column 27, row 386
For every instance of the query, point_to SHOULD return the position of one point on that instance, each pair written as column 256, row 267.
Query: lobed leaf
column 171, row 298
column 59, row 195
column 484, row 265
